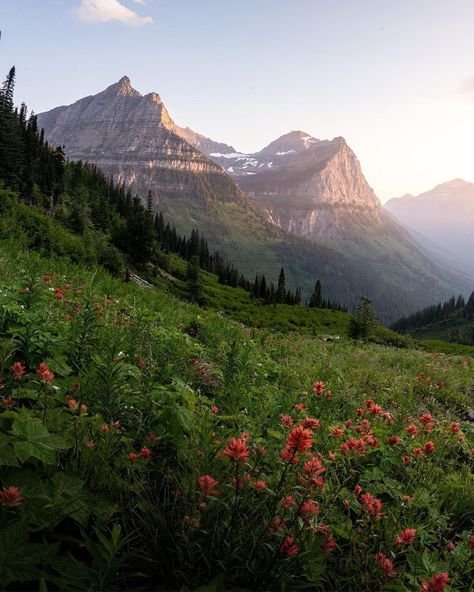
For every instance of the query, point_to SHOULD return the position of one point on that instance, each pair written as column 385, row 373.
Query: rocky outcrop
column 318, row 191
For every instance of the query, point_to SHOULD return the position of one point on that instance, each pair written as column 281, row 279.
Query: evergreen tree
column 193, row 279
column 362, row 321
column 316, row 301
column 281, row 287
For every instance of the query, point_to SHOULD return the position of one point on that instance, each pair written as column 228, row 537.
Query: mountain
column 443, row 217
column 308, row 206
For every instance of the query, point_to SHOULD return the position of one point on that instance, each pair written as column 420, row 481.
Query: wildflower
column 318, row 387
column 277, row 525
column 348, row 423
column 259, row 485
column 406, row 498
column 394, row 440
column 7, row 401
column 105, row 428
column 385, row 564
column 207, row 485
column 132, row 457
column 11, row 497
column 151, row 438
column 73, row 404
column 83, row 408
column 310, row 423
column 359, row 411
column 437, row 583
column 328, row 394
column 357, row 490
column 450, row 546
column 455, row 427
column 18, row 370
column 439, row 384
column 417, row 452
column 299, row 406
column 411, row 430
column 288, row 501
column 116, row 424
column 354, row 445
column 426, row 418
column 406, row 537
column 44, row 373
column 245, row 436
column 337, row 432
column 429, row 447
column 286, row 420
column 58, row 294
column 406, row 459
column 214, row 409
column 140, row 364
column 46, row 277
column 145, row 452
column 90, row 444
column 289, row 547
column 299, row 440
column 313, row 469
column 372, row 505
column 329, row 543
column 237, row 449
column 309, row 509
column 331, row 455
column 346, row 503
column 421, row 376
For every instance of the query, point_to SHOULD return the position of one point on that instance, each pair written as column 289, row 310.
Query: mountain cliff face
column 316, row 191
column 443, row 217
column 301, row 203
column 133, row 138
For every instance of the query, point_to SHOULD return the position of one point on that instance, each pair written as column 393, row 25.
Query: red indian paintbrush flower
column 11, row 497
column 310, row 423
column 429, row 447
column 309, row 509
column 385, row 565
column 406, row 537
column 437, row 583
column 18, row 370
column 44, row 373
column 286, row 420
column 300, row 439
column 313, row 469
column 289, row 547
column 259, row 485
column 237, row 449
column 372, row 505
column 207, row 485
column 145, row 452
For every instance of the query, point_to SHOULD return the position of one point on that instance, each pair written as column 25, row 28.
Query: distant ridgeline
column 118, row 229
column 453, row 321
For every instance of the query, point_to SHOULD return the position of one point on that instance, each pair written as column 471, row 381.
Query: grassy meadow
column 151, row 444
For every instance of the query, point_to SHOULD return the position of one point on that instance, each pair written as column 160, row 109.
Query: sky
column 394, row 77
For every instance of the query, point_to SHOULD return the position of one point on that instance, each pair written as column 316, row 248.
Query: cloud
column 102, row 11
column 466, row 88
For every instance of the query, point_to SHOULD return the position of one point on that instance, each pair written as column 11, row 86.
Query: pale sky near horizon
column 395, row 78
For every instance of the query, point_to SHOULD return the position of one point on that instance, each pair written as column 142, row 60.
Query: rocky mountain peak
column 122, row 88
column 291, row 143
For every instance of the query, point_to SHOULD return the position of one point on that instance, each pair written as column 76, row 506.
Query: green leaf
column 32, row 440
